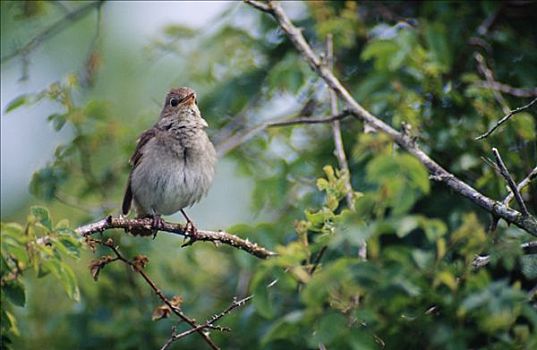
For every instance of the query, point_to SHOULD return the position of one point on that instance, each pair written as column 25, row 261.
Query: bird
column 173, row 164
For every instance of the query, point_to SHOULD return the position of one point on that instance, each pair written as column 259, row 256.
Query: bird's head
column 181, row 103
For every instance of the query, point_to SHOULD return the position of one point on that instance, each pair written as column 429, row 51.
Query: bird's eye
column 174, row 102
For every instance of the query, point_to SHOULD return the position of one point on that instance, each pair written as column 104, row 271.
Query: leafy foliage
column 42, row 247
column 411, row 64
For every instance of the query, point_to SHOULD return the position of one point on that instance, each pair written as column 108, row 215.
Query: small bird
column 173, row 165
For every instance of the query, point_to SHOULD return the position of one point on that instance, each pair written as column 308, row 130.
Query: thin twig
column 528, row 248
column 202, row 235
column 55, row 28
column 489, row 76
column 508, row 89
column 336, row 117
column 338, row 143
column 510, row 182
column 506, row 118
column 336, row 128
column 92, row 62
column 438, row 173
column 532, row 175
column 244, row 135
column 176, row 310
column 208, row 324
column 510, row 196
column 317, row 259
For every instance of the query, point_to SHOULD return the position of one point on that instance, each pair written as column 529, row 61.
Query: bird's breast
column 172, row 175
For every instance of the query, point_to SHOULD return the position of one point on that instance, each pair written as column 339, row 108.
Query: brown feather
column 134, row 161
column 127, row 199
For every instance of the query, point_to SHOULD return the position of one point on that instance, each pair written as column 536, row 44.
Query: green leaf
column 331, row 327
column 14, row 291
column 284, row 328
column 45, row 182
column 58, row 120
column 9, row 323
column 43, row 216
column 524, row 124
column 326, row 280
column 434, row 228
column 16, row 103
column 69, row 282
column 415, row 171
column 436, row 35
column 382, row 51
column 68, row 246
column 65, row 275
column 261, row 300
column 406, row 225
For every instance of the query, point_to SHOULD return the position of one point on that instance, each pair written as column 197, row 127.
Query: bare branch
column 202, row 235
column 532, row 175
column 528, row 248
column 339, row 150
column 55, row 28
column 510, row 182
column 508, row 89
column 261, row 6
column 506, row 118
column 244, row 135
column 480, row 261
column 489, row 76
column 527, row 223
column 176, row 310
column 510, row 196
column 310, row 120
column 208, row 324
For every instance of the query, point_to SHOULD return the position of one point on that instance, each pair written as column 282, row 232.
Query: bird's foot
column 156, row 224
column 192, row 232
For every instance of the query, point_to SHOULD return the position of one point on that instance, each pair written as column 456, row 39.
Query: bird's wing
column 134, row 161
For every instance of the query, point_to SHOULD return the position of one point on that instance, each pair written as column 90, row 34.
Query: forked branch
column 437, row 172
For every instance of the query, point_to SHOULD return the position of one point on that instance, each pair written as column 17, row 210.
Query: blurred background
column 128, row 75
column 81, row 80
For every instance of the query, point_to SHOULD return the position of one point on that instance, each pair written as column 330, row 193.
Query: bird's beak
column 188, row 100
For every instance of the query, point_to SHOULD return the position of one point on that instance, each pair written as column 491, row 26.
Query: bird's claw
column 192, row 232
column 156, row 224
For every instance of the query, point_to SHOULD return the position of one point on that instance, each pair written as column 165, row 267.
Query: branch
column 243, row 136
column 527, row 223
column 508, row 89
column 310, row 120
column 202, row 235
column 506, row 118
column 528, row 248
column 510, row 182
column 510, row 196
column 54, row 29
column 339, row 150
column 532, row 175
column 489, row 76
column 138, row 265
column 265, row 7
column 208, row 324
